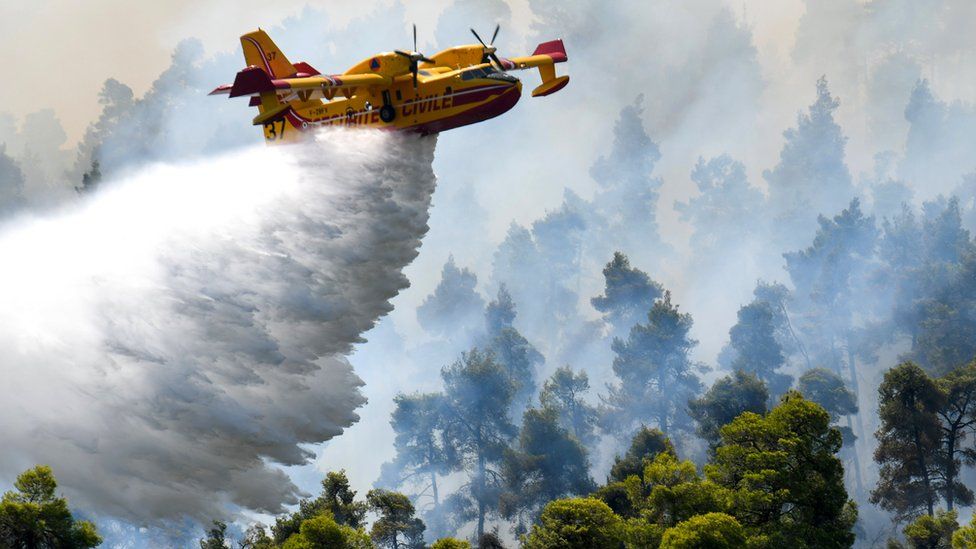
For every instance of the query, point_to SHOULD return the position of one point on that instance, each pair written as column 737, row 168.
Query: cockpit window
column 481, row 72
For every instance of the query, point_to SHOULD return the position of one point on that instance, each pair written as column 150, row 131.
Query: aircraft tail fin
column 556, row 51
column 260, row 51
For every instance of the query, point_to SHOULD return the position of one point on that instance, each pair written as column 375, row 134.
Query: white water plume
column 171, row 339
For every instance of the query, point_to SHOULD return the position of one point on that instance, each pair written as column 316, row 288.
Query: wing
column 254, row 81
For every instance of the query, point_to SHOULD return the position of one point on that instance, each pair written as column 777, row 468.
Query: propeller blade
column 498, row 27
column 403, row 53
column 414, row 70
column 427, row 60
column 479, row 38
column 497, row 61
column 414, row 37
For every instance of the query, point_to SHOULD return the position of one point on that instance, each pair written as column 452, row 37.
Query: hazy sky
column 58, row 52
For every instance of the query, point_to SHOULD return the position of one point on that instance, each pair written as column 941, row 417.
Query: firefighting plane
column 402, row 90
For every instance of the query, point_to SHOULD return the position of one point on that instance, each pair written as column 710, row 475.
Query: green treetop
column 34, row 517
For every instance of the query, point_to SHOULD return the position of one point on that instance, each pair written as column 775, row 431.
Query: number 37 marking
column 274, row 131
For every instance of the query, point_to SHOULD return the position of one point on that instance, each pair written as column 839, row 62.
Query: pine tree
column 957, row 417
column 548, row 463
column 656, row 376
column 908, row 439
column 396, row 526
column 727, row 398
column 479, row 395
column 33, row 516
column 564, row 393
column 500, row 313
column 216, row 536
column 724, row 212
column 627, row 296
column 758, row 352
column 829, row 390
column 424, row 452
column 628, row 195
column 454, row 309
column 811, row 177
column 786, row 481
column 519, row 357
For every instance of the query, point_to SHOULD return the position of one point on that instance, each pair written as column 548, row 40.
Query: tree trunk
column 925, row 474
column 859, row 432
column 433, row 485
column 950, row 468
column 480, row 486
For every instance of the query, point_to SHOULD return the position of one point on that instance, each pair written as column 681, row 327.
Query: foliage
column 549, row 463
column 511, row 349
column 829, row 390
column 725, row 209
column 479, row 393
column 908, row 401
column 216, row 536
column 500, row 313
column 395, row 520
column 957, row 417
column 419, row 422
column 33, row 516
column 337, row 500
column 576, row 523
column 450, row 543
column 628, row 294
column 932, row 532
column 727, row 398
column 627, row 199
column 827, row 276
column 455, row 306
column 708, row 531
column 753, row 339
column 670, row 491
column 655, row 373
column 965, row 537
column 811, row 175
column 563, row 393
column 787, row 485
column 520, row 360
column 646, row 445
column 255, row 537
column 924, row 425
column 323, row 532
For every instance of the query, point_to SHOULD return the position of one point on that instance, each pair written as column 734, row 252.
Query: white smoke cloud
column 170, row 340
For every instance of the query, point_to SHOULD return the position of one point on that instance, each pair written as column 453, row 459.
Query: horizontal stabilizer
column 551, row 86
column 250, row 81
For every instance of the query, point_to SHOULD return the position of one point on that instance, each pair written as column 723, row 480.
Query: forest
column 783, row 354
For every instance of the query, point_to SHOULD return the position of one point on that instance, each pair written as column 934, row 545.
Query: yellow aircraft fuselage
column 443, row 100
column 454, row 88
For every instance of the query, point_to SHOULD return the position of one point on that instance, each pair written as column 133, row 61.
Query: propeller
column 490, row 48
column 415, row 57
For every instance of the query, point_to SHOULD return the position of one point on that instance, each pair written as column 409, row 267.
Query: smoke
column 174, row 340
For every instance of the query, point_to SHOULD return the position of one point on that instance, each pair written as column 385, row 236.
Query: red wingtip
column 222, row 89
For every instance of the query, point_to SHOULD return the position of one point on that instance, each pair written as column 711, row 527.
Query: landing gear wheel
column 387, row 113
